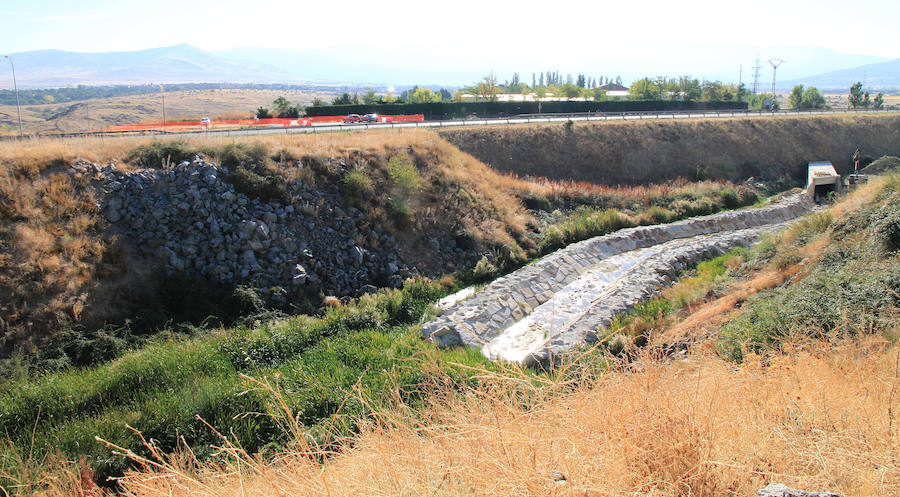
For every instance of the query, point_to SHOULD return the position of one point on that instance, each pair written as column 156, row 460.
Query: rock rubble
column 191, row 219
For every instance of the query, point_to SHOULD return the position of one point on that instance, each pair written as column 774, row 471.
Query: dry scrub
column 823, row 416
column 636, row 152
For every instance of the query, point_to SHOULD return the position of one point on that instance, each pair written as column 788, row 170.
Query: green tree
column 424, row 96
column 263, row 113
column 763, row 101
column 540, row 91
column 688, row 88
column 318, row 102
column 856, row 95
column 488, row 89
column 343, row 99
column 644, row 89
column 878, row 102
column 796, row 97
column 281, row 105
column 570, row 90
column 370, row 98
column 812, row 99
column 599, row 94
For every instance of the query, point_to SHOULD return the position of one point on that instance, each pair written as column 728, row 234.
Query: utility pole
column 163, row 95
column 740, row 75
column 16, row 87
column 756, row 74
column 775, row 63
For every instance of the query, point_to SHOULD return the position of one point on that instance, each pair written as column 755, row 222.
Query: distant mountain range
column 880, row 76
column 423, row 65
column 175, row 64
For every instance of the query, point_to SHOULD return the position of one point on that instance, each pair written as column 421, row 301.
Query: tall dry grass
column 823, row 416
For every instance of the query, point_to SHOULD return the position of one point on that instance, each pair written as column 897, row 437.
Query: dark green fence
column 458, row 110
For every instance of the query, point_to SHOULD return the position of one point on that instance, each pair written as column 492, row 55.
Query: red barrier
column 284, row 122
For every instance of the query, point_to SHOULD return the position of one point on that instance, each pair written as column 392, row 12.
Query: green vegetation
column 358, row 183
column 369, row 346
column 852, row 289
column 404, row 174
column 162, row 154
column 806, row 99
column 601, row 214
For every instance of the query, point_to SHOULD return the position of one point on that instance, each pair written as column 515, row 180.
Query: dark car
column 352, row 118
column 369, row 118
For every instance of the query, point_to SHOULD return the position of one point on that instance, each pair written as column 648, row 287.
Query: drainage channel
column 553, row 305
column 590, row 303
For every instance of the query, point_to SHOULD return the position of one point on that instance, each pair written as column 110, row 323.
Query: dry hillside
column 96, row 114
column 639, row 152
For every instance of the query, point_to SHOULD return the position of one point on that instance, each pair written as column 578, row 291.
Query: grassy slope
column 654, row 151
column 61, row 270
column 813, row 408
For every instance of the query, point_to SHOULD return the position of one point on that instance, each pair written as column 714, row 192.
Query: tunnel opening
column 821, row 191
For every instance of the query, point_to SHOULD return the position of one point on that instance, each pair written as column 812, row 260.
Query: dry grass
column 50, row 233
column 69, row 117
column 821, row 417
column 654, row 151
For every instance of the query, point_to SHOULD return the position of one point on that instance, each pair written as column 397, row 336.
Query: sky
column 485, row 33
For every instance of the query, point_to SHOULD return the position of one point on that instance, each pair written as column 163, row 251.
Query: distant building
column 615, row 91
column 613, row 87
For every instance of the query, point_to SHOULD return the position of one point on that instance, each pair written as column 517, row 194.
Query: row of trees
column 686, row 88
column 860, row 99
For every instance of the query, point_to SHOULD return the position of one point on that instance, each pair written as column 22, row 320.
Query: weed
column 404, row 174
column 161, row 154
column 358, row 183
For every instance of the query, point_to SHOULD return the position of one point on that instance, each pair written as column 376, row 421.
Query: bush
column 484, row 269
column 269, row 188
column 159, row 154
column 358, row 183
column 399, row 211
column 404, row 174
column 887, row 225
column 233, row 155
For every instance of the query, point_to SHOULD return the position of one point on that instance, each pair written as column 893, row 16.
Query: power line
column 775, row 63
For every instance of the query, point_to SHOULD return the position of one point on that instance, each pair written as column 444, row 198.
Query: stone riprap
column 481, row 318
column 615, row 285
column 190, row 219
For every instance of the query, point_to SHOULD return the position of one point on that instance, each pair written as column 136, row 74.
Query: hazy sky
column 623, row 27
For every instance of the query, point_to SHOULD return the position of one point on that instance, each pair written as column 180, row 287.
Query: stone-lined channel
column 557, row 303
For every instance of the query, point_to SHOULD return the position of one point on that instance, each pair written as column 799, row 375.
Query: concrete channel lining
column 480, row 318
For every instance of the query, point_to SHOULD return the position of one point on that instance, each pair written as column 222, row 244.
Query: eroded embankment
column 629, row 153
column 576, row 290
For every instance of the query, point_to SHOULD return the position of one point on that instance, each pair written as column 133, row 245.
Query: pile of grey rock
column 190, row 219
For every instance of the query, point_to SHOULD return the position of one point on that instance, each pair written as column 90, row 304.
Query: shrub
column 404, row 174
column 656, row 215
column 399, row 211
column 158, row 154
column 887, row 224
column 484, row 269
column 249, row 156
column 358, row 183
column 269, row 188
column 729, row 198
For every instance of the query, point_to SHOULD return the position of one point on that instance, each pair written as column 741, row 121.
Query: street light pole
column 16, row 87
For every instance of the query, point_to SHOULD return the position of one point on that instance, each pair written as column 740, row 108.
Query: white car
column 205, row 122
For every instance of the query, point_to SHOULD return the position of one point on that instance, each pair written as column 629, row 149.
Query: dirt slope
column 638, row 152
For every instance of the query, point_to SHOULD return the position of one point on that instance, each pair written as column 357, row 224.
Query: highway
column 524, row 119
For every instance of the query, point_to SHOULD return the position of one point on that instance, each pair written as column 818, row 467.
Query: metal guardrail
column 522, row 119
